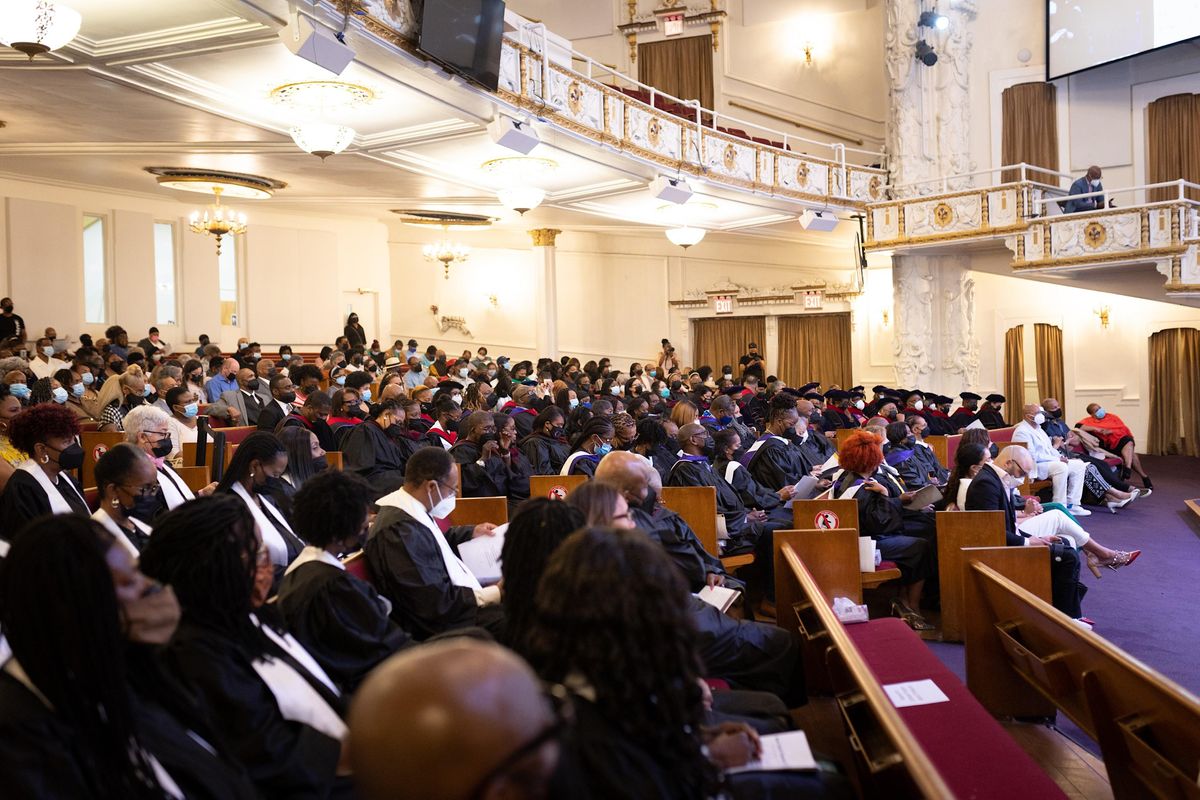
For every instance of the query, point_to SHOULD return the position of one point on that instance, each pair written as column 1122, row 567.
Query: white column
column 935, row 340
column 546, row 335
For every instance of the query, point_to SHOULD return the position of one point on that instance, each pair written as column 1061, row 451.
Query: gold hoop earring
column 45, row 459
column 115, row 502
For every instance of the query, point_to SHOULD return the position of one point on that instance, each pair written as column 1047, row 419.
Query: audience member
column 1065, row 474
column 545, row 447
column 1088, row 184
column 1116, row 438
column 590, row 445
column 373, row 450
column 42, row 483
column 129, row 493
column 253, row 476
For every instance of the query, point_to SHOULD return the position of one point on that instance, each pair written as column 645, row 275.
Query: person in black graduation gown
column 517, row 466
column 773, row 460
column 522, row 410
column 88, row 712
column 919, row 428
column 654, row 443
column 753, row 493
column 312, row 416
column 415, row 565
column 990, row 414
column 338, row 618
column 592, row 443
column 544, row 447
column 488, row 468
column 814, row 445
column 47, row 433
column 370, row 451
column 251, row 675
column 965, row 414
column 938, row 416
column 900, row 453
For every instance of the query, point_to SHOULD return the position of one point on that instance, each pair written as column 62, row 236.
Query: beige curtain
column 1175, row 392
column 1029, row 132
column 1048, row 347
column 1174, row 144
column 680, row 67
column 816, row 347
column 1014, row 372
column 717, row 341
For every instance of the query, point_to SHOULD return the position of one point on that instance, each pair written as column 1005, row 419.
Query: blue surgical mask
column 286, row 356
column 147, row 390
column 664, row 392
column 191, row 410
column 574, row 403
column 48, row 351
column 87, row 378
column 366, row 395
column 652, row 373
column 19, row 390
column 59, row 395
column 1101, row 413
column 78, row 389
column 603, row 449
column 340, row 380
column 724, row 420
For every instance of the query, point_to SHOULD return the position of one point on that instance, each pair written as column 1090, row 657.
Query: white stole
column 112, row 527
column 175, row 492
column 455, row 568
column 731, row 468
column 571, row 459
column 270, row 534
column 58, row 503
column 294, row 695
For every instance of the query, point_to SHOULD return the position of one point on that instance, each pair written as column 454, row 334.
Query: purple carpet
column 1151, row 609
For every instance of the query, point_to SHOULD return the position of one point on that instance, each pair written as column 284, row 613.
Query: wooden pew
column 190, row 451
column 556, row 487
column 1194, row 505
column 95, row 444
column 952, row 749
column 940, row 447
column 828, row 514
column 698, row 507
column 474, row 510
column 1148, row 727
column 195, row 478
column 334, row 457
column 956, row 530
column 844, row 433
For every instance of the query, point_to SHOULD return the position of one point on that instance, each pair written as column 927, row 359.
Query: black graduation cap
column 969, row 396
column 857, row 395
column 995, row 398
column 814, row 396
column 732, row 390
column 856, row 388
column 940, row 399
column 837, row 394
column 916, row 392
column 808, row 387
column 448, row 386
column 880, row 389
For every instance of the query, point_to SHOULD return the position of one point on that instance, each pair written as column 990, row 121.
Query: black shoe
column 1146, row 482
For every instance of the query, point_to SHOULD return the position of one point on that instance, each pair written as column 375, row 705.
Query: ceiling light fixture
column 206, row 181
column 322, row 139
column 218, row 220
column 685, row 236
column 521, row 198
column 447, row 252
column 320, row 105
column 34, row 27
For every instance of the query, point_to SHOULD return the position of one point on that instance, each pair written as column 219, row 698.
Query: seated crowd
column 224, row 641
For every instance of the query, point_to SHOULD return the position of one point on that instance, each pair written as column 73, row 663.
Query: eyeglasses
column 145, row 490
column 564, row 716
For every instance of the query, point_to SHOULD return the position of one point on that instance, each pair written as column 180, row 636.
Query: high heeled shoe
column 1093, row 563
column 1122, row 558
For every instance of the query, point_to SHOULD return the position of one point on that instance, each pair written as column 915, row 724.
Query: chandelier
column 315, row 104
column 517, row 175
column 217, row 220
column 521, row 198
column 34, row 27
column 447, row 252
column 322, row 139
column 685, row 236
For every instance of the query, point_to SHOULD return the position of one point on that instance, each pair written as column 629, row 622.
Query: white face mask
column 48, row 351
column 918, row 405
column 444, row 507
column 464, row 372
column 1096, row 183
column 728, row 376
column 614, row 390
column 457, row 398
column 1039, row 418
column 860, row 405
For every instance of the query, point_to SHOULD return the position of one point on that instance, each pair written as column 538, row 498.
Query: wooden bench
column 556, row 487
column 697, row 505
column 474, row 510
column 195, row 478
column 1148, row 727
column 335, row 460
column 956, row 530
column 830, row 514
column 953, row 749
column 190, row 453
column 1194, row 505
column 95, row 444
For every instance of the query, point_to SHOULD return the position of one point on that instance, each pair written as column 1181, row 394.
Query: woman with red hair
column 905, row 537
column 42, row 483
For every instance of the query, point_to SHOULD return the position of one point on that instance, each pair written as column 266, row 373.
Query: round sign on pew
column 826, row 520
column 557, row 493
column 98, row 451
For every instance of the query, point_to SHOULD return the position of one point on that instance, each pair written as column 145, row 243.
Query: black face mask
column 6, row 309
column 162, row 449
column 144, row 507
column 489, row 437
column 287, row 397
column 196, row 378
column 710, row 449
column 427, row 409
column 650, row 502
column 320, row 464
column 70, row 457
column 556, row 432
column 356, row 413
column 396, row 429
column 253, row 384
column 1055, row 414
column 270, row 486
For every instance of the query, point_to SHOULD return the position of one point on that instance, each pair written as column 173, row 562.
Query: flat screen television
column 464, row 36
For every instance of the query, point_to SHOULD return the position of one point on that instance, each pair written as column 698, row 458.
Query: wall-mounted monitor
column 464, row 36
column 1082, row 34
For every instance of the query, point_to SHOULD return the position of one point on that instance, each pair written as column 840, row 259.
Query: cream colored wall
column 294, row 266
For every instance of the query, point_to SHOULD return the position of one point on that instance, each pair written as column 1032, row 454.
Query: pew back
column 96, row 444
column 956, row 530
column 698, row 507
column 474, row 510
column 556, row 487
column 195, row 478
column 824, row 514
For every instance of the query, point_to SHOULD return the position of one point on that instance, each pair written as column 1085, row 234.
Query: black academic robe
column 778, row 463
column 754, row 411
column 939, row 423
column 270, row 416
column 753, row 493
column 407, row 568
column 582, row 463
column 689, row 472
column 912, row 470
column 370, row 452
column 679, row 540
column 24, row 500
column 745, row 435
column 961, row 418
column 662, row 458
column 523, row 418
column 816, row 448
column 319, row 428
column 341, row 620
column 284, row 758
column 545, row 455
column 494, row 478
column 836, row 418
column 991, row 419
column 937, row 473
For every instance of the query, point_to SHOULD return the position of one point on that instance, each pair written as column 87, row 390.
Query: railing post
column 700, row 133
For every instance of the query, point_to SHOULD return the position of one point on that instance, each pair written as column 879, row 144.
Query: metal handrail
column 1181, row 184
column 1022, row 166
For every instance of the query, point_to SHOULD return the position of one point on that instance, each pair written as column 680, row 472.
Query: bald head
column 692, row 438
column 804, row 407
column 1029, row 410
column 1015, row 454
column 623, row 469
column 439, row 719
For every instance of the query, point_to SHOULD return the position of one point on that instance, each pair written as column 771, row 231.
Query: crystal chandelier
column 314, row 104
column 37, row 26
column 521, row 198
column 217, row 220
column 446, row 252
column 685, row 236
column 322, row 139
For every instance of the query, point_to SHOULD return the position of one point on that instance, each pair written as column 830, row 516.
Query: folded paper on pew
column 975, row 425
column 866, row 554
column 805, row 488
column 781, row 752
column 482, row 555
column 719, row 597
column 915, row 693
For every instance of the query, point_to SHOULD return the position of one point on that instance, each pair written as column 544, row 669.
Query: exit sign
column 812, row 299
column 672, row 24
column 723, row 304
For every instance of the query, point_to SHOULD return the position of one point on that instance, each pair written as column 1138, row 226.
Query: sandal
column 911, row 618
column 1122, row 558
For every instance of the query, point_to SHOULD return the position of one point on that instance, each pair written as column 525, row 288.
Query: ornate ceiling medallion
column 207, row 181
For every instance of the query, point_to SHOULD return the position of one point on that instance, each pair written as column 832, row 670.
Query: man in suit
column 1085, row 185
column 992, row 490
column 283, row 395
column 241, row 406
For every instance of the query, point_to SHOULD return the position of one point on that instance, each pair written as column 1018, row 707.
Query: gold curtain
column 1048, row 348
column 679, row 67
column 816, row 347
column 1175, row 392
column 1174, row 144
column 1014, row 372
column 1029, row 132
column 717, row 341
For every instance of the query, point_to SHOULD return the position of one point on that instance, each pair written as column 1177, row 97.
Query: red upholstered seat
column 883, row 565
column 92, row 498
column 717, row 684
column 356, row 565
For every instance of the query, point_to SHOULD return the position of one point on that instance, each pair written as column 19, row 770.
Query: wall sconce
column 808, row 54
column 886, row 318
column 495, row 301
column 1102, row 313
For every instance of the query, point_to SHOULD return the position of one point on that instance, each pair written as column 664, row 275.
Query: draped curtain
column 1029, row 132
column 681, row 67
column 717, row 341
column 1014, row 371
column 1048, row 348
column 1174, row 144
column 816, row 347
column 1175, row 392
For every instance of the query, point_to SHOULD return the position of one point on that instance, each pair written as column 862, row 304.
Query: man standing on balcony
column 1085, row 185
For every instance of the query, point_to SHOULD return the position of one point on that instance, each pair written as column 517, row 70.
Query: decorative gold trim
column 1095, row 235
column 933, row 197
column 493, row 164
column 575, row 98
column 943, row 215
column 544, row 237
column 903, row 239
column 1100, row 258
column 357, row 93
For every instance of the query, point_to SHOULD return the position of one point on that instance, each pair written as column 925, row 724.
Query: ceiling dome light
column 37, row 26
column 322, row 139
column 323, row 97
column 686, row 236
column 521, row 198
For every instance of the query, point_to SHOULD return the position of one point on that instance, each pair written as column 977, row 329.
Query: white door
column 366, row 305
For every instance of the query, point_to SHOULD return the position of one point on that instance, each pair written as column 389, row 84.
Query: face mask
column 78, row 389
column 444, row 507
column 650, row 502
column 574, row 403
column 144, row 507
column 48, row 351
column 724, row 420
column 556, row 432
column 191, row 410
column 253, row 384
column 457, row 398
column 462, row 373
column 653, row 373
column 340, row 380
column 664, row 392
column 1055, row 414
column 491, row 373
column 709, row 449
column 147, row 391
column 614, row 390
column 1101, row 413
column 918, row 405
column 320, row 464
column 287, row 397
column 59, row 395
column 860, row 405
column 71, row 457
column 1039, row 418
column 162, row 449
column 366, row 395
column 728, row 376
column 6, row 309
column 1096, row 183
column 603, row 449
column 19, row 390
column 427, row 409
column 286, row 356
column 87, row 378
